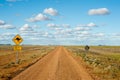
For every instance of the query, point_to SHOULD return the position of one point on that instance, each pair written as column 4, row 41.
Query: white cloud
column 99, row 35
column 7, row 26
column 82, row 34
column 66, row 25
column 90, row 37
column 69, row 31
column 39, row 17
column 26, row 28
column 36, row 26
column 7, row 36
column 85, row 33
column 56, row 25
column 51, row 11
column 37, row 35
column 34, row 38
column 52, row 25
column 91, row 25
column 82, row 28
column 3, row 25
column 58, row 29
column 60, row 32
column 99, row 11
column 63, row 33
column 115, row 35
column 45, row 34
column 2, row 22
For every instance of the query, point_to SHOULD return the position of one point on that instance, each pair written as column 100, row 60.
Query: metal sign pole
column 17, row 57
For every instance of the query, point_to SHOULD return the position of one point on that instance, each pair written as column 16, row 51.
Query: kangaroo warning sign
column 17, row 48
column 17, row 39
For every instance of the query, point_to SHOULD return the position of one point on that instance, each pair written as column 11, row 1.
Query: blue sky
column 60, row 22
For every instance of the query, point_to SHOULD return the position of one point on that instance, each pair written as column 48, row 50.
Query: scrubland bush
column 105, row 66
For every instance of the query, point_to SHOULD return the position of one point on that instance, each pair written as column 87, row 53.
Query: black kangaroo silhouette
column 18, row 39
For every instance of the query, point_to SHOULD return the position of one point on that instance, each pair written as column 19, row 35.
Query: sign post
column 17, row 40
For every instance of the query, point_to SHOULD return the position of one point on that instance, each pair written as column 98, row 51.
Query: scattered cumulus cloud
column 3, row 25
column 36, row 26
column 57, row 29
column 66, row 25
column 52, row 25
column 80, row 31
column 60, row 31
column 99, row 35
column 7, row 36
column 34, row 38
column 116, row 35
column 2, row 22
column 26, row 28
column 91, row 25
column 82, row 28
column 7, row 26
column 39, row 17
column 99, row 11
column 43, row 17
column 60, row 34
column 85, row 33
column 45, row 34
column 51, row 11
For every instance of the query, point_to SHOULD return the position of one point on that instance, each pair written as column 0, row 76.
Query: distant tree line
column 5, row 44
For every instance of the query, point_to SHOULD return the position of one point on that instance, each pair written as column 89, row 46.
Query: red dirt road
column 57, row 65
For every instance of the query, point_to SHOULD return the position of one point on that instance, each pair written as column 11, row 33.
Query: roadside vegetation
column 27, row 56
column 102, row 62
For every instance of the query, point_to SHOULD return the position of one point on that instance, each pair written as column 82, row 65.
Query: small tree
column 87, row 48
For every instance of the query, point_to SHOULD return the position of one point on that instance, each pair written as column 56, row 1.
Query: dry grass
column 28, row 56
column 103, row 62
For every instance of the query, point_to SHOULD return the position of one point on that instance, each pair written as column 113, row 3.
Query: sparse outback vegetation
column 28, row 56
column 102, row 62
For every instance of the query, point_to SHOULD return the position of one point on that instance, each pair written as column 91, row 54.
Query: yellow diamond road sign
column 17, row 39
